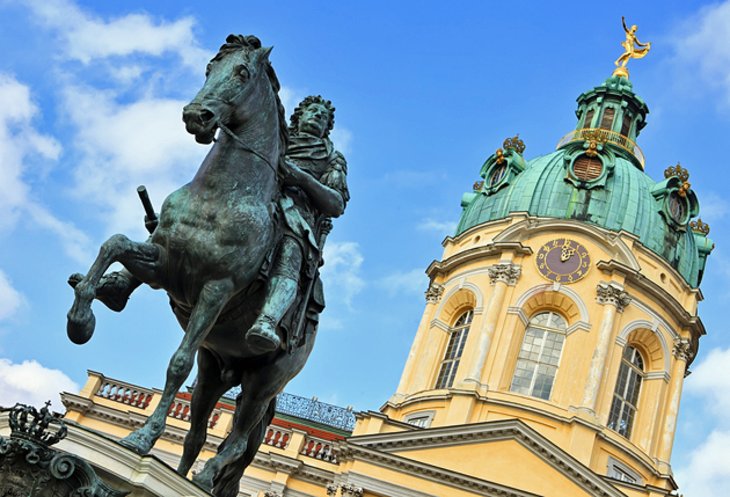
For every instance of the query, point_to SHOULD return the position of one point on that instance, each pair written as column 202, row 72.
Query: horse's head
column 236, row 77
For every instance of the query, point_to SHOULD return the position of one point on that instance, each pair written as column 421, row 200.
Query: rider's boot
column 114, row 288
column 262, row 337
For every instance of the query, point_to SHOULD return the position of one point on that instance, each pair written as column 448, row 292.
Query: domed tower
column 561, row 319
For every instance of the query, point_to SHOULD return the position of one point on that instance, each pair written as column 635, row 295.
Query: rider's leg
column 281, row 291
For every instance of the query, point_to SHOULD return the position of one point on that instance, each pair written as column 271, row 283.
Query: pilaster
column 682, row 351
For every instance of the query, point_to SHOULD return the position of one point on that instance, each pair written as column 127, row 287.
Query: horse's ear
column 262, row 54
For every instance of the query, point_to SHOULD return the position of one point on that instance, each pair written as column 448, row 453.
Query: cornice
column 372, row 446
column 442, row 268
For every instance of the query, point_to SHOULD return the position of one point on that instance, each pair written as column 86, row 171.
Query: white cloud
column 710, row 380
column 713, row 207
column 31, row 383
column 10, row 298
column 708, row 471
column 703, row 47
column 439, row 227
column 87, row 37
column 24, row 153
column 411, row 282
column 341, row 271
column 124, row 145
column 342, row 139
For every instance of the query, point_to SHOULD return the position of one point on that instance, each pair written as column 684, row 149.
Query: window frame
column 457, row 335
column 619, row 402
column 425, row 415
column 542, row 360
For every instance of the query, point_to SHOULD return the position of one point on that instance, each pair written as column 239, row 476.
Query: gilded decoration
column 612, row 294
column 478, row 185
column 505, row 272
column 434, row 293
column 633, row 49
column 514, row 143
column 698, row 226
column 499, row 154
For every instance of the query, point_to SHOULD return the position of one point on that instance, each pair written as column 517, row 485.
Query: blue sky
column 90, row 103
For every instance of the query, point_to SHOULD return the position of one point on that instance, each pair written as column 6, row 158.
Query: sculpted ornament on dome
column 504, row 272
column 698, row 226
column 612, row 294
column 503, row 166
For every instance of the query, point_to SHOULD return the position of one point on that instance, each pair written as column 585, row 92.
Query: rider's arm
column 327, row 200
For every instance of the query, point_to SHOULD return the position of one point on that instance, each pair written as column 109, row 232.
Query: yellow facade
column 477, row 436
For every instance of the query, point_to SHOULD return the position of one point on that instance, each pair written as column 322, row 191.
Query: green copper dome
column 596, row 176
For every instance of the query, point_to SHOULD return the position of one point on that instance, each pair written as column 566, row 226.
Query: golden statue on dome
column 634, row 49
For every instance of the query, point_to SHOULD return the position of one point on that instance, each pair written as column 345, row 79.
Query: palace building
column 557, row 331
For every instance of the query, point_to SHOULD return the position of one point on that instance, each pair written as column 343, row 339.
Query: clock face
column 563, row 260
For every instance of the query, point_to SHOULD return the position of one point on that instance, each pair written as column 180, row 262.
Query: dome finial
column 633, row 49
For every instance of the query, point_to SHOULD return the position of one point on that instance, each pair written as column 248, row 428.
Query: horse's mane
column 248, row 43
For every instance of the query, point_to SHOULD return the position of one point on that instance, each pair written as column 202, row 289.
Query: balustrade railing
column 180, row 409
column 319, row 449
column 604, row 135
column 124, row 393
column 277, row 437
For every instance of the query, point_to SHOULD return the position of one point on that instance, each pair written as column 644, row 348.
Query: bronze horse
column 207, row 252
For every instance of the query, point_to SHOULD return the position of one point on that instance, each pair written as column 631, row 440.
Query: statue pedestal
column 117, row 467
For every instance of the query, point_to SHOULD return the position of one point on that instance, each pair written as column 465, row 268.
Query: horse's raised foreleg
column 209, row 387
column 141, row 258
column 211, row 301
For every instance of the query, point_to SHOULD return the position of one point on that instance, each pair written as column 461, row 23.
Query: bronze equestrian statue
column 238, row 251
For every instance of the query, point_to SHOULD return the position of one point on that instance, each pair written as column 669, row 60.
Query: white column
column 501, row 276
column 682, row 351
column 615, row 299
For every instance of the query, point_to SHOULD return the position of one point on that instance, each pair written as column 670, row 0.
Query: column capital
column 682, row 349
column 505, row 272
column 434, row 293
column 612, row 294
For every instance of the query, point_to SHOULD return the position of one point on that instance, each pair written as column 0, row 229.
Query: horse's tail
column 227, row 484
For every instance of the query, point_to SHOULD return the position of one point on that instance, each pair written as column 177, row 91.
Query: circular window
column 497, row 175
column 678, row 208
column 587, row 168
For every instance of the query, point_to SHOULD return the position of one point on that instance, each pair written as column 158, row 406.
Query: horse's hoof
column 203, row 480
column 79, row 331
column 74, row 279
column 136, row 443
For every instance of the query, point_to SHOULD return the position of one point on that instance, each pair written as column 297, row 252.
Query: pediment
column 506, row 452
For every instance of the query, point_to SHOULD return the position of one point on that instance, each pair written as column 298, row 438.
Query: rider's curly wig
column 312, row 99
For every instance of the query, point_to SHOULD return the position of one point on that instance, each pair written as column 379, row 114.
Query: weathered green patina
column 238, row 251
column 613, row 192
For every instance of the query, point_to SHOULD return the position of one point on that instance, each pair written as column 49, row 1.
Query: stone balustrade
column 277, row 437
column 125, row 393
column 321, row 449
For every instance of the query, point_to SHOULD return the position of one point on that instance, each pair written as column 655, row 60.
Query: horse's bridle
column 245, row 147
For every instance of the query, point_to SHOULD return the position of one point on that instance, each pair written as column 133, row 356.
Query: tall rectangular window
column 626, row 394
column 537, row 362
column 454, row 349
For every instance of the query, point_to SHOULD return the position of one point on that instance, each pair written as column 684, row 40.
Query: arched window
column 626, row 395
column 607, row 118
column 538, row 359
column 589, row 119
column 457, row 339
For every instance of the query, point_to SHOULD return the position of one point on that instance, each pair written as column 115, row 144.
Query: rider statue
column 314, row 190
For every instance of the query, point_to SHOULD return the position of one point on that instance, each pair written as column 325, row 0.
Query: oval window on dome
column 678, row 208
column 497, row 175
column 587, row 168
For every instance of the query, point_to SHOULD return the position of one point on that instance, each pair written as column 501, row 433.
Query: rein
column 245, row 147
